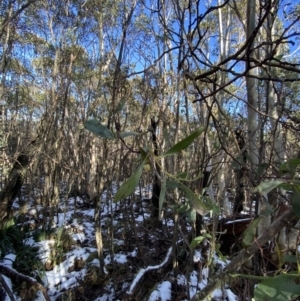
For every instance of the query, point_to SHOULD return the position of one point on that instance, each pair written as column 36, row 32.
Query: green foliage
column 27, row 261
column 10, row 237
column 99, row 129
column 127, row 134
column 192, row 215
column 128, row 186
column 290, row 167
column 121, row 104
column 296, row 200
column 201, row 204
column 249, row 234
column 196, row 201
column 268, row 186
column 197, row 240
column 281, row 287
column 63, row 242
column 183, row 144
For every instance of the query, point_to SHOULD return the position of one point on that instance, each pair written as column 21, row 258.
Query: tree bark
column 15, row 182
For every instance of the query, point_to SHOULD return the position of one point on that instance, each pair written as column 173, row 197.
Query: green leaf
column 210, row 205
column 121, row 105
column 191, row 216
column 171, row 185
column 196, row 202
column 162, row 194
column 144, row 152
column 182, row 175
column 266, row 187
column 98, row 129
column 286, row 186
column 282, row 287
column 183, row 209
column 196, row 241
column 183, row 144
column 249, row 234
column 296, row 202
column 127, row 134
column 199, row 239
column 128, row 186
column 289, row 166
column 265, row 208
column 278, row 57
column 289, row 258
column 261, row 168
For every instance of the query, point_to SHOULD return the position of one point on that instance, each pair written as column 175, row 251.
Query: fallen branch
column 142, row 272
column 13, row 274
column 7, row 290
column 245, row 254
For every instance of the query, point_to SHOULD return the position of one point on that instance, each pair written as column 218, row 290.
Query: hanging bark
column 240, row 173
column 156, row 181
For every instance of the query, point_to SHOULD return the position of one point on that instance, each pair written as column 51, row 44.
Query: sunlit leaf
column 192, row 215
column 98, row 129
column 196, row 241
column 266, row 187
column 183, row 144
column 128, row 186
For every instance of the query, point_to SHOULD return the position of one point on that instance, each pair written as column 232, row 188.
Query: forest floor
column 137, row 254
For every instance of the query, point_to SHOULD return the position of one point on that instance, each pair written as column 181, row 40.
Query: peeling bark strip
column 156, row 183
column 239, row 198
column 15, row 182
column 13, row 274
column 245, row 254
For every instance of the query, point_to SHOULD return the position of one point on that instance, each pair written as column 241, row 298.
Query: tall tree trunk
column 252, row 107
column 224, row 50
column 278, row 141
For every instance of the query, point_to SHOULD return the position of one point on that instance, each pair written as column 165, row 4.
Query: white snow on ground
column 162, row 292
column 63, row 276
